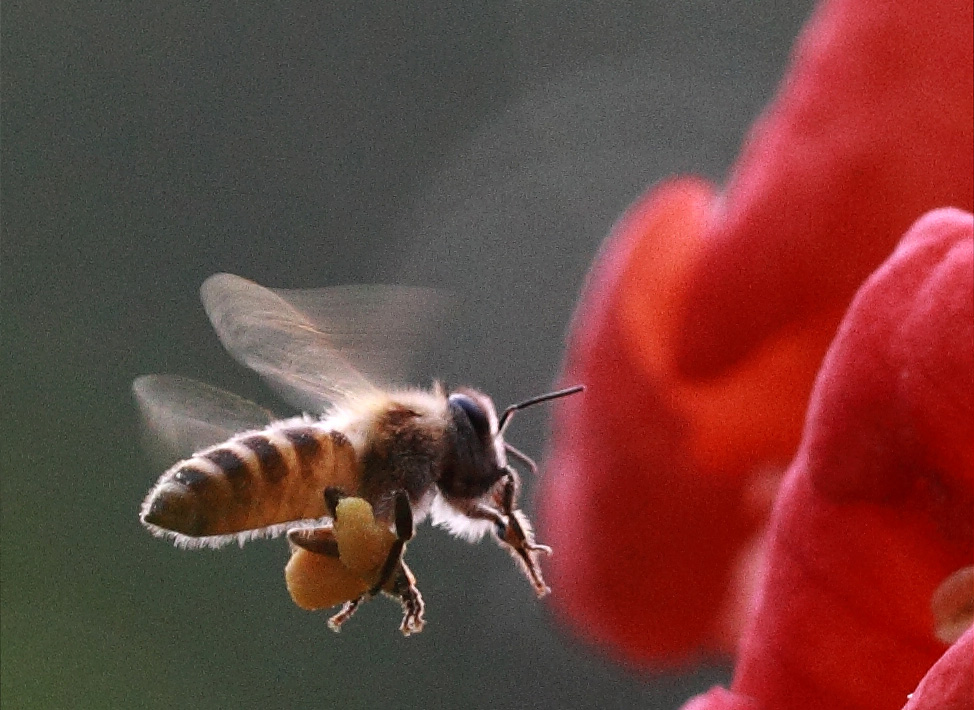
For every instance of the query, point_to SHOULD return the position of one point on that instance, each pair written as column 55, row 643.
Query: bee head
column 477, row 458
column 474, row 415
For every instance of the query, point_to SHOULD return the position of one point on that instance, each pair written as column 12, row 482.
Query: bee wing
column 320, row 346
column 183, row 416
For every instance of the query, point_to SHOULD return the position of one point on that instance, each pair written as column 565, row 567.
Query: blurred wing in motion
column 183, row 416
column 320, row 346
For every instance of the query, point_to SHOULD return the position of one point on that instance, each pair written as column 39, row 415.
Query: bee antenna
column 509, row 412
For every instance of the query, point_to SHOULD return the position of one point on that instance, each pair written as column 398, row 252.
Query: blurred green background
column 482, row 147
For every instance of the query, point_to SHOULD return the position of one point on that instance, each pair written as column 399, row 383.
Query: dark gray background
column 483, row 147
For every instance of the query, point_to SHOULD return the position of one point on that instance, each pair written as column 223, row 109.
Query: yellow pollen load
column 363, row 544
column 319, row 581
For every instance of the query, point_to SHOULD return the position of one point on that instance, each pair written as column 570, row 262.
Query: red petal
column 873, row 127
column 876, row 509
column 624, row 542
column 642, row 458
column 720, row 699
column 949, row 685
column 653, row 499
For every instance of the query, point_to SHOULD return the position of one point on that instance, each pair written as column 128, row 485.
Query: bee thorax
column 403, row 452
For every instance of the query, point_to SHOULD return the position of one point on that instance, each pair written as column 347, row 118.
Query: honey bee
column 349, row 482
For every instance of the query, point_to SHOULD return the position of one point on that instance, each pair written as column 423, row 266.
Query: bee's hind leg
column 334, row 495
column 319, row 540
column 404, row 533
column 335, row 622
column 404, row 587
column 405, row 530
column 395, row 578
column 322, row 541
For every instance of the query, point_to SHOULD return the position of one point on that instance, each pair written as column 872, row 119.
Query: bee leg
column 515, row 532
column 322, row 541
column 404, row 533
column 404, row 587
column 520, row 527
column 318, row 540
column 335, row 622
column 334, row 494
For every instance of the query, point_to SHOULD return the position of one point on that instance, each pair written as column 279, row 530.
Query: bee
column 348, row 483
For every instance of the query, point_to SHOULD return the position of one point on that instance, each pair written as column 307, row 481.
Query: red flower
column 876, row 510
column 949, row 685
column 705, row 320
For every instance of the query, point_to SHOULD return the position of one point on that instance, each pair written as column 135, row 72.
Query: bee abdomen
column 252, row 481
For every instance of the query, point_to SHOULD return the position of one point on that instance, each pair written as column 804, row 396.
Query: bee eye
column 475, row 413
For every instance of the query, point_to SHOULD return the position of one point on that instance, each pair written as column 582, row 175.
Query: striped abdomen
column 253, row 481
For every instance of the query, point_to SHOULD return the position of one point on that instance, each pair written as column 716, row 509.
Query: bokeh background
column 481, row 147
